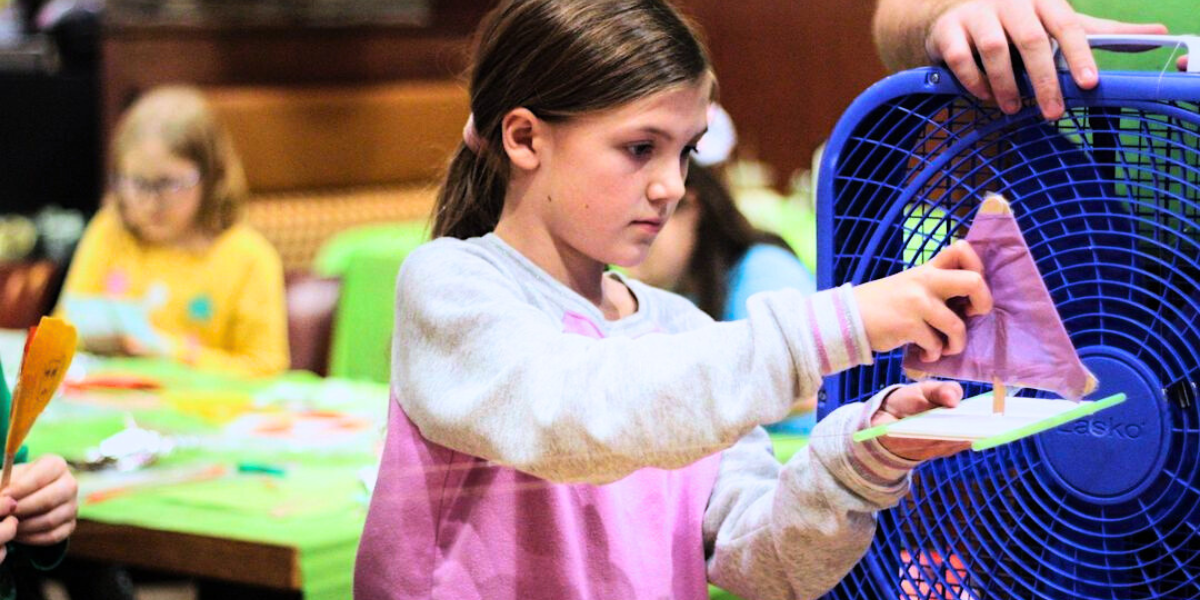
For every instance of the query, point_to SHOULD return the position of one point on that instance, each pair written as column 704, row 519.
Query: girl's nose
column 668, row 185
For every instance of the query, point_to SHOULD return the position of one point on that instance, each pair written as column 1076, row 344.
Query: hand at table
column 111, row 345
column 117, row 345
column 8, row 525
column 914, row 399
column 45, row 492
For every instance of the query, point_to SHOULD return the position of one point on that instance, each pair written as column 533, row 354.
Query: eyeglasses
column 137, row 187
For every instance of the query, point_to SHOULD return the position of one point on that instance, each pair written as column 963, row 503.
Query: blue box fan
column 1108, row 197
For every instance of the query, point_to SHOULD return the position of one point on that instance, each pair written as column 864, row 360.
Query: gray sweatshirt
column 502, row 369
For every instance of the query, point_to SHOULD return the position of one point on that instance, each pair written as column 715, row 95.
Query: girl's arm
column 794, row 530
column 479, row 369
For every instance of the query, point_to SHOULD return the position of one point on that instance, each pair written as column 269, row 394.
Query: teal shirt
column 767, row 267
column 764, row 267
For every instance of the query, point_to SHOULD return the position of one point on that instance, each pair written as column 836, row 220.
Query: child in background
column 557, row 431
column 169, row 240
column 709, row 252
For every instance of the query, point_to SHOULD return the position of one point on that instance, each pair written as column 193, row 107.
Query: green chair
column 367, row 259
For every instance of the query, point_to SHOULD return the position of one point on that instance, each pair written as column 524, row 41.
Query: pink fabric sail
column 1022, row 342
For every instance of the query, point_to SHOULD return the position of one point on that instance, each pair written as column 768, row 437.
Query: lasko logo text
column 1104, row 428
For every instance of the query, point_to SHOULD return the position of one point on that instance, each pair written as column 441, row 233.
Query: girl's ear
column 524, row 138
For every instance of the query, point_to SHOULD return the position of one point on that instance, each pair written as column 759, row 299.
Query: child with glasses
column 167, row 262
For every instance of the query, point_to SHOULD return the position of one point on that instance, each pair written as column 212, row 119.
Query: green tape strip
column 1082, row 410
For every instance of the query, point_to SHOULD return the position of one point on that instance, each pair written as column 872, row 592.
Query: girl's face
column 160, row 193
column 606, row 183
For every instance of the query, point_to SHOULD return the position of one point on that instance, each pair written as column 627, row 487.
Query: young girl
column 169, row 244
column 559, row 432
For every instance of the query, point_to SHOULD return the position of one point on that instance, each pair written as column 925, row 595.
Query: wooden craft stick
column 995, row 204
column 998, row 394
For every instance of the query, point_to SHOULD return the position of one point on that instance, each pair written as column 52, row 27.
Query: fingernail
column 1087, row 75
column 1011, row 106
column 1053, row 109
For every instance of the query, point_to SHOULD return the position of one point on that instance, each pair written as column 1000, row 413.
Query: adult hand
column 915, row 399
column 45, row 494
column 910, row 307
column 987, row 26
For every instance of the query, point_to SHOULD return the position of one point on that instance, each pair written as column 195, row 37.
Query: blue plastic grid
column 1109, row 200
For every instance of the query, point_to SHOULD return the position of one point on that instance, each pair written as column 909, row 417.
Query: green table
column 295, row 531
column 275, row 497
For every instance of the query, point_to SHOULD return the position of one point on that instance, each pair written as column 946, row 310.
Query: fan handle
column 1138, row 43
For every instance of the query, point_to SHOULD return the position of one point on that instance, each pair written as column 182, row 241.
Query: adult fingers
column 1097, row 25
column 987, row 35
column 951, row 44
column 1029, row 34
column 1066, row 26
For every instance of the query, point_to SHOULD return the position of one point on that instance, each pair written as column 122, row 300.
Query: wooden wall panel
column 138, row 57
column 788, row 69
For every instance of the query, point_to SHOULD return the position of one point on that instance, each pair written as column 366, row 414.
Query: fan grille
column 1108, row 198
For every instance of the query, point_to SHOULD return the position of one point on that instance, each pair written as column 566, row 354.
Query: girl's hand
column 910, row 307
column 914, row 399
column 45, row 492
column 987, row 26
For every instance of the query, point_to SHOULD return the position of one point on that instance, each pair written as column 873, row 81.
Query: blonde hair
column 180, row 118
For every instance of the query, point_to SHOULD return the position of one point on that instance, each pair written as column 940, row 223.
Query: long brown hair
column 558, row 59
column 182, row 120
column 723, row 236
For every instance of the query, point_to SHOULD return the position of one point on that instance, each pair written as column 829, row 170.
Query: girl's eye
column 688, row 152
column 641, row 151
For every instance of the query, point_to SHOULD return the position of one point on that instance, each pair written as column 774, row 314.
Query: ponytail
column 472, row 196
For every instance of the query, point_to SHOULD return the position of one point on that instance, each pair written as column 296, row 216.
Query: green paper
column 1082, row 410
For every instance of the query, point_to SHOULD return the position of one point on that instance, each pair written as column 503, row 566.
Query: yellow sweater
column 219, row 308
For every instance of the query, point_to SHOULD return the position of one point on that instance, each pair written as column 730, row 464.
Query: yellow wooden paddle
column 48, row 354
